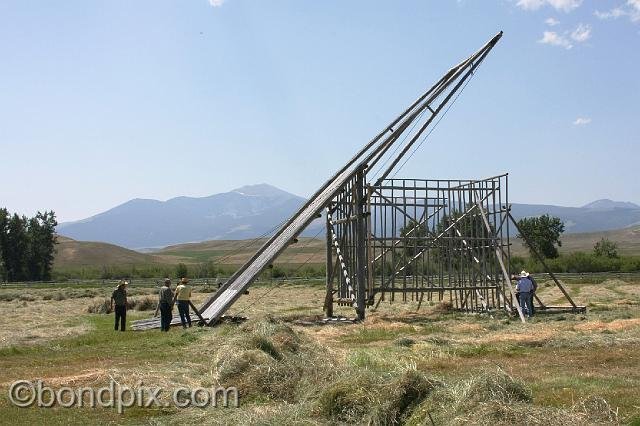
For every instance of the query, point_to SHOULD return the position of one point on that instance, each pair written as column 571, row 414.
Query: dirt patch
column 528, row 336
column 617, row 325
column 91, row 376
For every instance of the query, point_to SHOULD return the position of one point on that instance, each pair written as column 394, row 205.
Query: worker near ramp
column 525, row 289
column 533, row 292
column 119, row 298
column 183, row 296
column 165, row 305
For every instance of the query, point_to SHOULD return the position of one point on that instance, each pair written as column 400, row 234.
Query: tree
column 465, row 235
column 4, row 220
column 181, row 270
column 606, row 248
column 414, row 236
column 27, row 246
column 16, row 249
column 42, row 240
column 543, row 233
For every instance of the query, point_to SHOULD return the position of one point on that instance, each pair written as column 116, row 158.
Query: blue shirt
column 524, row 285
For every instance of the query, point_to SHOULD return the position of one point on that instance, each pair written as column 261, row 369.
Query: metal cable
column 258, row 299
column 437, row 122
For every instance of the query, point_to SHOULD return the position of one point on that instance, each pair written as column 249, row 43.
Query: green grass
column 365, row 335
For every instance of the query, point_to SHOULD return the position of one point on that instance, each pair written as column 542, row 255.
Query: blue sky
column 104, row 101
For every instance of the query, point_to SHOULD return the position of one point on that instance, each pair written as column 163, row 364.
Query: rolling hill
column 71, row 253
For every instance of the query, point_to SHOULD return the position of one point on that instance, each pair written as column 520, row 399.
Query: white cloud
column 216, row 3
column 634, row 12
column 552, row 22
column 614, row 13
column 530, row 4
column 582, row 33
column 555, row 39
column 581, row 121
column 630, row 9
column 563, row 5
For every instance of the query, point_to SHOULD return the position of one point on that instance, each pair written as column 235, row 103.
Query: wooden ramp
column 218, row 304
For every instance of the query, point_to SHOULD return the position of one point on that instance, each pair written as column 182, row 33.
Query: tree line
column 27, row 246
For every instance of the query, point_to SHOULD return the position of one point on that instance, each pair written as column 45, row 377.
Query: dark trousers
column 165, row 316
column 533, row 308
column 183, row 308
column 526, row 303
column 121, row 317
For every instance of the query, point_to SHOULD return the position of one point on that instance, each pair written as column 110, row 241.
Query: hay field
column 400, row 366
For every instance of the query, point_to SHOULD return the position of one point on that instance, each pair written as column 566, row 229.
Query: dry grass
column 40, row 321
column 398, row 367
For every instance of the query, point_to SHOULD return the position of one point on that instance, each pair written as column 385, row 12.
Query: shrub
column 8, row 297
column 605, row 248
column 26, row 297
column 100, row 307
column 405, row 342
column 59, row 296
column 146, row 304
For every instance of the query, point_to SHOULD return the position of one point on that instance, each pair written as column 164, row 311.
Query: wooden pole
column 328, row 301
column 361, row 244
column 499, row 256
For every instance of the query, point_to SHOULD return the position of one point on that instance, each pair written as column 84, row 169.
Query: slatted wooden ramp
column 218, row 304
column 151, row 323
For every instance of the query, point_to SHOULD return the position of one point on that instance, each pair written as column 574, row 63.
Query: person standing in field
column 119, row 298
column 533, row 291
column 183, row 296
column 525, row 289
column 165, row 305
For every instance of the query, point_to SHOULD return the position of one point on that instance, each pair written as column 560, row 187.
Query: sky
column 105, row 101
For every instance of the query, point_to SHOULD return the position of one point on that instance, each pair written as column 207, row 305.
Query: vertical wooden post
column 361, row 244
column 328, row 301
column 498, row 252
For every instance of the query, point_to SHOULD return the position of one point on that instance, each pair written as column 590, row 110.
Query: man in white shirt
column 183, row 296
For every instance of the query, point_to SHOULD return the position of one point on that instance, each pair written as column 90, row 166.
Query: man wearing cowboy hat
column 119, row 296
column 525, row 290
column 183, row 296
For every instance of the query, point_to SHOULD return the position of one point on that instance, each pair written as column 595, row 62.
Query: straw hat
column 524, row 274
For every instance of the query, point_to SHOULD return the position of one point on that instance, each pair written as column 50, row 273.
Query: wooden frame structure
column 348, row 199
column 444, row 240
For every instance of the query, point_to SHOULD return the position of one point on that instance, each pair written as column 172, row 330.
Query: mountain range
column 246, row 212
column 255, row 210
